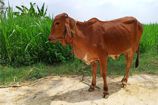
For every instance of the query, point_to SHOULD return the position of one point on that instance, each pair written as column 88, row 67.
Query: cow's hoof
column 124, row 82
column 105, row 94
column 91, row 88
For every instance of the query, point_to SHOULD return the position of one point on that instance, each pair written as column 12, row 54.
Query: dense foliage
column 24, row 39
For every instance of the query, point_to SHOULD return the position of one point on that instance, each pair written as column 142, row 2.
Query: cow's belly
column 85, row 56
column 88, row 58
column 114, row 56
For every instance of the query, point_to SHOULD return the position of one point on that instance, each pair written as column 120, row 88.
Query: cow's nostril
column 49, row 39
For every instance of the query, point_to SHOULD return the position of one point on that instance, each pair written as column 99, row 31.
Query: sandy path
column 55, row 90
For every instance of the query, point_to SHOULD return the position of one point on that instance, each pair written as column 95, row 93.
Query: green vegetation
column 150, row 38
column 26, row 54
column 9, row 74
column 1, row 6
column 24, row 40
column 41, row 12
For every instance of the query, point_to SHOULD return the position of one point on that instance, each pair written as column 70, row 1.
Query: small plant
column 1, row 7
column 32, row 11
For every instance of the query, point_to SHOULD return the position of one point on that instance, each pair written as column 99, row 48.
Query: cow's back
column 118, row 35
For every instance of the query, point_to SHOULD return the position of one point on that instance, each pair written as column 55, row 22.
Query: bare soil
column 70, row 90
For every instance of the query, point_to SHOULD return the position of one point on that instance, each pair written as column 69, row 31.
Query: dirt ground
column 69, row 90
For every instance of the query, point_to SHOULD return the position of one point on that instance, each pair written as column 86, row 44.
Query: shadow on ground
column 82, row 94
column 72, row 96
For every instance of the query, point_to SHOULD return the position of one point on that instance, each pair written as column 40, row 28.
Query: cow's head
column 61, row 29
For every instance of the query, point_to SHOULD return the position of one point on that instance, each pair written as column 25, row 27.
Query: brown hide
column 95, row 40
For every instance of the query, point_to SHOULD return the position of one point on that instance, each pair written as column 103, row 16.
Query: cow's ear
column 68, row 36
column 68, row 30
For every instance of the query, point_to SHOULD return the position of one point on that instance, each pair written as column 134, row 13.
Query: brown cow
column 96, row 40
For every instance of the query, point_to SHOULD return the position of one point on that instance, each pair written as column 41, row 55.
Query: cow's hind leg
column 129, row 58
column 103, row 67
column 94, row 71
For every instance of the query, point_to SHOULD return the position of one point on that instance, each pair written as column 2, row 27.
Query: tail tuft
column 137, row 59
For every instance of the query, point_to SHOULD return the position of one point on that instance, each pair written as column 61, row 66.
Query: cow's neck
column 78, row 48
column 77, row 34
column 80, row 31
column 78, row 42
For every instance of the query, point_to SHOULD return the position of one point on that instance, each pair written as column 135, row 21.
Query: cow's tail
column 140, row 31
column 137, row 59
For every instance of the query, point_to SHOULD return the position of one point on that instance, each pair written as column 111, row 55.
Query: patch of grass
column 8, row 74
column 149, row 38
column 148, row 63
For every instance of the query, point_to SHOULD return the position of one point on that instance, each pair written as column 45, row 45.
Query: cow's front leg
column 103, row 67
column 94, row 71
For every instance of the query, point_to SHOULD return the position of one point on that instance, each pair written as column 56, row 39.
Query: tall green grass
column 149, row 39
column 24, row 41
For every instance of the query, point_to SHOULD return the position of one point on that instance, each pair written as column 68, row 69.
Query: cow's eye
column 57, row 23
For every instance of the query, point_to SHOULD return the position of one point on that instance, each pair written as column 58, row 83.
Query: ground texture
column 70, row 90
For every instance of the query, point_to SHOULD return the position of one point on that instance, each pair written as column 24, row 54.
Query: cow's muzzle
column 51, row 38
